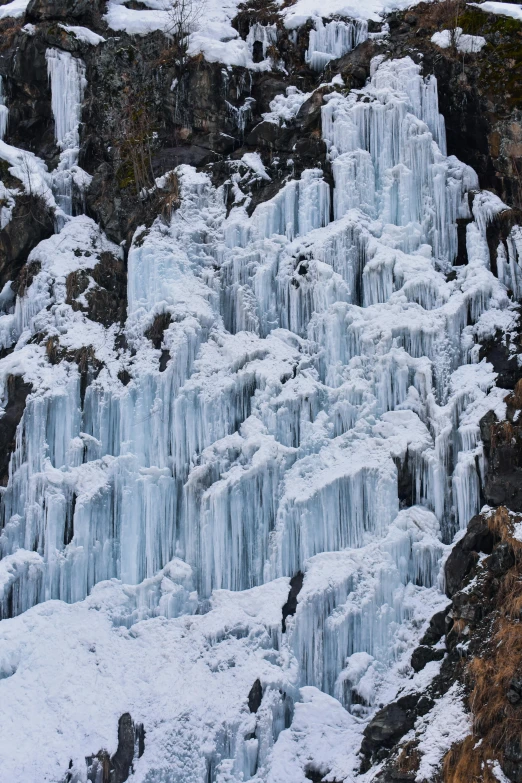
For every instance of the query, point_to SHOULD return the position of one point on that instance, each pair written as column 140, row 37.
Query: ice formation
column 333, row 39
column 313, row 408
column 67, row 77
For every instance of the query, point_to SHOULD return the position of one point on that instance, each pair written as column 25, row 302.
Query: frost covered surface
column 212, row 33
column 446, row 723
column 313, row 407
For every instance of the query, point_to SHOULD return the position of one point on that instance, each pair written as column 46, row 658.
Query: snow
column 503, row 9
column 464, row 43
column 15, row 9
column 283, row 108
column 84, row 34
column 517, row 531
column 30, row 170
column 60, row 640
column 447, row 723
column 254, row 162
column 299, row 13
column 141, row 22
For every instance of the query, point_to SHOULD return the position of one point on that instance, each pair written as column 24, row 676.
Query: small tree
column 183, row 18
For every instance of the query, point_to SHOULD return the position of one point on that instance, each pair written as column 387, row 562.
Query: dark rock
column 514, row 694
column 462, row 252
column 486, row 424
column 503, row 484
column 468, row 606
column 124, row 377
column 88, row 12
column 502, row 559
column 268, row 134
column 164, row 360
column 436, row 629
column 354, row 67
column 389, row 725
column 478, row 538
column 29, row 225
column 107, row 300
column 17, row 393
column 155, row 332
column 505, row 362
column 296, row 583
column 121, row 762
column 167, row 158
column 255, row 696
column 423, row 655
column 116, row 769
column 512, row 760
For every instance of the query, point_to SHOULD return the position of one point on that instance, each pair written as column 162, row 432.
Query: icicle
column 4, row 112
column 266, row 35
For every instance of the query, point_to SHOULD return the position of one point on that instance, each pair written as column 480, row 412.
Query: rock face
column 389, row 725
column 503, row 444
column 17, row 393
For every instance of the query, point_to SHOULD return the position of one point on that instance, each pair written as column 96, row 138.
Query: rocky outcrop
column 100, row 292
column 289, row 608
column 30, row 223
column 17, row 393
column 103, row 768
column 85, row 12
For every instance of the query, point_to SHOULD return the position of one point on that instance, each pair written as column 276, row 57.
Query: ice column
column 67, row 76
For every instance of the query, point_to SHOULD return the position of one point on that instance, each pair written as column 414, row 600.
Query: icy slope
column 312, row 404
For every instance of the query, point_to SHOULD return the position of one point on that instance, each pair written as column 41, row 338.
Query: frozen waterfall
column 312, row 407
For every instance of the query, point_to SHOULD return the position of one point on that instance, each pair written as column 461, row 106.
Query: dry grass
column 409, row 758
column 496, row 721
column 169, row 196
column 8, row 30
